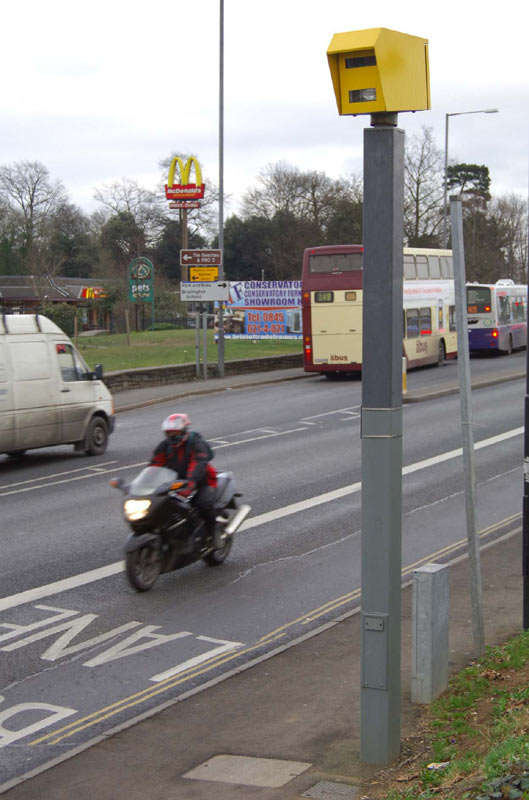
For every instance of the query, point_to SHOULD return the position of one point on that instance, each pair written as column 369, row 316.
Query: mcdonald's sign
column 92, row 293
column 184, row 190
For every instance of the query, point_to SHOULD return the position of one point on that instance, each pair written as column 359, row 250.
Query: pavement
column 288, row 725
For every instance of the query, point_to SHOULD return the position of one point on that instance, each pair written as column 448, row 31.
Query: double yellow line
column 170, row 683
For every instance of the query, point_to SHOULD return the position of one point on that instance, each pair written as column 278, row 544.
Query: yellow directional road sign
column 203, row 273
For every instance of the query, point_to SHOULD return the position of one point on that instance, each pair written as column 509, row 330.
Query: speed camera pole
column 380, row 72
column 381, row 440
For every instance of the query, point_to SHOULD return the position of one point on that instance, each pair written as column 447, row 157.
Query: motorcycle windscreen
column 150, row 479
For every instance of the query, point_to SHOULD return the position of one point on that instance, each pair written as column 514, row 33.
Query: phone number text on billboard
column 247, row 336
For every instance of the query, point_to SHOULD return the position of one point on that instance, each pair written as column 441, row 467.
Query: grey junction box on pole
column 430, row 603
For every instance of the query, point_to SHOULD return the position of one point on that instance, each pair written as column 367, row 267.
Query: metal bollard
column 430, row 604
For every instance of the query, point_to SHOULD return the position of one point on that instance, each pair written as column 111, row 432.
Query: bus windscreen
column 478, row 300
column 334, row 262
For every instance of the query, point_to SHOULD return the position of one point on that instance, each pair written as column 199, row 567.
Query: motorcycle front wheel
column 142, row 567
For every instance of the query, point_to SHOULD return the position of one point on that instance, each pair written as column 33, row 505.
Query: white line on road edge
column 74, row 581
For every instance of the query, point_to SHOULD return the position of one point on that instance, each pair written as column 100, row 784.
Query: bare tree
column 126, row 196
column 279, row 191
column 423, row 189
column 310, row 197
column 27, row 190
column 510, row 211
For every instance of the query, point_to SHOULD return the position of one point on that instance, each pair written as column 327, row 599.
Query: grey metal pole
column 445, row 192
column 205, row 341
column 197, row 340
column 525, row 506
column 382, row 440
column 220, row 349
column 469, row 466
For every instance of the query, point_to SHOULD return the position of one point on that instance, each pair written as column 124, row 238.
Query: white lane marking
column 348, row 410
column 257, row 438
column 82, row 579
column 131, row 466
column 61, row 586
column 70, row 480
column 56, row 475
column 225, row 647
column 53, row 714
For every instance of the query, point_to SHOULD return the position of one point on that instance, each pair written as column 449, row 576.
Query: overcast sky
column 102, row 90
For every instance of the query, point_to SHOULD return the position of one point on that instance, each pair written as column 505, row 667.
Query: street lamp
column 445, row 197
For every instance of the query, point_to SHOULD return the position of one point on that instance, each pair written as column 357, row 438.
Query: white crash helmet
column 176, row 427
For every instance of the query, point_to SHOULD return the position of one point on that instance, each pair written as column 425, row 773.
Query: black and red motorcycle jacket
column 189, row 459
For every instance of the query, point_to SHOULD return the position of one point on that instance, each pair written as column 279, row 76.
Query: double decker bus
column 496, row 316
column 331, row 300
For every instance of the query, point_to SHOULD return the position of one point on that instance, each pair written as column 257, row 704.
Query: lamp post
column 220, row 348
column 445, row 194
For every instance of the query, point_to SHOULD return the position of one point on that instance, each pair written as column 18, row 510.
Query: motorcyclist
column 187, row 453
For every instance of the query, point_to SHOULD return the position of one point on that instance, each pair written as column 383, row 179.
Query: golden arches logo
column 184, row 190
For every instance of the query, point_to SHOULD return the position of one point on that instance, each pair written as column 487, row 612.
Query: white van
column 48, row 395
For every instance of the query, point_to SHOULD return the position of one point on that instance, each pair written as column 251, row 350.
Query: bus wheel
column 441, row 353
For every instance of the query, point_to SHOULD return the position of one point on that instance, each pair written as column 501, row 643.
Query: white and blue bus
column 496, row 316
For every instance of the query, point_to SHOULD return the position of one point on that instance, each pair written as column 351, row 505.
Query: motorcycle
column 167, row 531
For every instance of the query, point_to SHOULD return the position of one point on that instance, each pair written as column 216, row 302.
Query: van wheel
column 96, row 437
column 15, row 453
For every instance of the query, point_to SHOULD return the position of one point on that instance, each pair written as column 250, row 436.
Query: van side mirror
column 98, row 372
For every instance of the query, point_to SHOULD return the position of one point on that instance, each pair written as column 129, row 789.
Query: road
column 82, row 653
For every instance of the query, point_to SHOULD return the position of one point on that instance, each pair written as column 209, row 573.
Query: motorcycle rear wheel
column 216, row 557
column 142, row 567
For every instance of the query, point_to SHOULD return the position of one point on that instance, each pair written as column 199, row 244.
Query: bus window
column 334, row 262
column 518, row 310
column 425, row 318
column 447, row 267
column 504, row 309
column 410, row 273
column 412, row 323
column 451, row 318
column 422, row 268
column 323, row 297
column 478, row 300
column 434, row 267
column 350, row 296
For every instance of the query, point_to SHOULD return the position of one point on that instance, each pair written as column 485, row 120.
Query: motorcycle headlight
column 136, row 509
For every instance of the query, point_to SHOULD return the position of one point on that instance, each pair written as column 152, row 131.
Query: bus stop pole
column 467, row 434
column 381, row 436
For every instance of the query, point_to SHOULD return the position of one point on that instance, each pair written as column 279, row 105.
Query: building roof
column 56, row 289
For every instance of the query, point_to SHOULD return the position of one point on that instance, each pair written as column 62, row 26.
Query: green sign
column 141, row 291
column 141, row 276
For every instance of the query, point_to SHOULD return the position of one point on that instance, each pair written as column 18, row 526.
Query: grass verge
column 473, row 742
column 159, row 348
